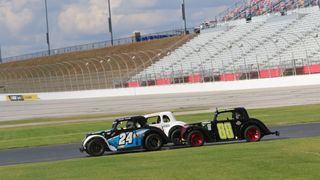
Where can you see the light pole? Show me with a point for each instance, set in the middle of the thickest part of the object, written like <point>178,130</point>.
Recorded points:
<point>184,16</point>
<point>0,55</point>
<point>47,23</point>
<point>110,22</point>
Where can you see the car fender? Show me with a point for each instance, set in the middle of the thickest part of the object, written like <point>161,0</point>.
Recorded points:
<point>98,137</point>
<point>177,126</point>
<point>257,122</point>
<point>204,131</point>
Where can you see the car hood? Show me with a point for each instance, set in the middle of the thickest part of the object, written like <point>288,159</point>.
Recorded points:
<point>99,132</point>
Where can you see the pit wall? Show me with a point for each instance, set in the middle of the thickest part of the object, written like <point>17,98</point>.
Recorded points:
<point>302,80</point>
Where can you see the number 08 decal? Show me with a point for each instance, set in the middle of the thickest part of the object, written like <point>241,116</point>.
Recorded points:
<point>126,138</point>
<point>225,130</point>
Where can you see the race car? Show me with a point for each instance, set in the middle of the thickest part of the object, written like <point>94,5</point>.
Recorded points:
<point>126,134</point>
<point>167,122</point>
<point>227,125</point>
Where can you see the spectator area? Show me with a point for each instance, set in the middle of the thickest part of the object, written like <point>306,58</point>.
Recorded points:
<point>269,46</point>
<point>281,42</point>
<point>94,69</point>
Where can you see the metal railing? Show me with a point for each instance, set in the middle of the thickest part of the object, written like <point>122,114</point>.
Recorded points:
<point>97,45</point>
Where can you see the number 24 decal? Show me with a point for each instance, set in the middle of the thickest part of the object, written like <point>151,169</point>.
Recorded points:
<point>126,138</point>
<point>225,131</point>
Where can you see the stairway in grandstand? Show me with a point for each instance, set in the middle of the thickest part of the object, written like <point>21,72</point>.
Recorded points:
<point>267,42</point>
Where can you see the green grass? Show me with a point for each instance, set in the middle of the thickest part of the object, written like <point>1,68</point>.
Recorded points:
<point>278,159</point>
<point>74,132</point>
<point>80,117</point>
<point>57,119</point>
<point>273,116</point>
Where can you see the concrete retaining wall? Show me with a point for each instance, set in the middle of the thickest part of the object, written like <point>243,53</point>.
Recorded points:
<point>302,80</point>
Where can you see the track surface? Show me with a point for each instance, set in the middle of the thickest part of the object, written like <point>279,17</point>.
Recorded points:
<point>70,151</point>
<point>258,98</point>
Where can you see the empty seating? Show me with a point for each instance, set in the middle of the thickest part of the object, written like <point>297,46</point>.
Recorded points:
<point>268,44</point>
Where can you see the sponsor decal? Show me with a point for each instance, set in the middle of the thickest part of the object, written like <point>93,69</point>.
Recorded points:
<point>29,97</point>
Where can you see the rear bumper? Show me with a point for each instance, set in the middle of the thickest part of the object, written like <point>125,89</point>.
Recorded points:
<point>277,133</point>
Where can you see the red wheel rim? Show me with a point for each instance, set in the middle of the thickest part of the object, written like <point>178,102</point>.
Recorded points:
<point>253,134</point>
<point>196,139</point>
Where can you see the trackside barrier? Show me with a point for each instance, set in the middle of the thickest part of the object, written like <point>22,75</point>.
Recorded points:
<point>134,84</point>
<point>277,82</point>
<point>270,73</point>
<point>164,81</point>
<point>228,77</point>
<point>313,69</point>
<point>195,78</point>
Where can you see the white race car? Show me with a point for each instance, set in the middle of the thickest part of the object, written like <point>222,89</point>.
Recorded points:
<point>167,122</point>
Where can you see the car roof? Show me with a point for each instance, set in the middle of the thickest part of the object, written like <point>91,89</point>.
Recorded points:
<point>157,114</point>
<point>140,119</point>
<point>230,109</point>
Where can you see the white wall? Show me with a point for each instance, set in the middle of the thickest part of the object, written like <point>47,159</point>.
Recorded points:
<point>302,80</point>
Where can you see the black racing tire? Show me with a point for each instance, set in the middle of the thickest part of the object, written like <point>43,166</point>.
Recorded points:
<point>176,137</point>
<point>153,142</point>
<point>252,133</point>
<point>96,147</point>
<point>195,138</point>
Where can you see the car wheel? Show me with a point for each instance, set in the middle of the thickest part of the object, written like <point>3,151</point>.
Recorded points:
<point>175,137</point>
<point>195,138</point>
<point>153,142</point>
<point>96,147</point>
<point>252,133</point>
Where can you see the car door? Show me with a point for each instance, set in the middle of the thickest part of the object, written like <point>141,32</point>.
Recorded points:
<point>125,138</point>
<point>166,124</point>
<point>224,127</point>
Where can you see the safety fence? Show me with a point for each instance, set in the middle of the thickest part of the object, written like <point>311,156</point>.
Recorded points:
<point>98,45</point>
<point>110,72</point>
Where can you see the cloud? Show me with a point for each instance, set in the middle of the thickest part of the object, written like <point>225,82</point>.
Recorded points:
<point>72,22</point>
<point>83,18</point>
<point>90,17</point>
<point>16,14</point>
<point>135,4</point>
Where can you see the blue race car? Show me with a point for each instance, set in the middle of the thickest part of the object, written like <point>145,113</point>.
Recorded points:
<point>126,134</point>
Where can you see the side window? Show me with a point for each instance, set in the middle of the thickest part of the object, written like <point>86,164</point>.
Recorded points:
<point>225,116</point>
<point>237,116</point>
<point>154,120</point>
<point>166,119</point>
<point>121,125</point>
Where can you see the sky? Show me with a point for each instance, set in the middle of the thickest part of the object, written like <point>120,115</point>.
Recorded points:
<point>75,22</point>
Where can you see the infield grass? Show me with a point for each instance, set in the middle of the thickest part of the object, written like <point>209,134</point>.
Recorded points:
<point>74,132</point>
<point>277,159</point>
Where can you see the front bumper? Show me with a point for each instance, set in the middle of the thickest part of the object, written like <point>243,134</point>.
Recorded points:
<point>81,149</point>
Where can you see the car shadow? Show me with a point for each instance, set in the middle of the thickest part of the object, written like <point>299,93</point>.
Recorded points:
<point>170,146</point>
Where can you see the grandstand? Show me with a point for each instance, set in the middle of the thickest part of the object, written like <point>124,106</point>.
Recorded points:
<point>281,42</point>
<point>93,69</point>
<point>269,46</point>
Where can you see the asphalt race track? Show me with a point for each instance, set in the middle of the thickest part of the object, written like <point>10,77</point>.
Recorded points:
<point>257,98</point>
<point>70,151</point>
